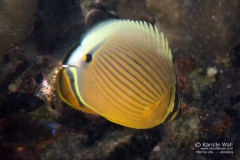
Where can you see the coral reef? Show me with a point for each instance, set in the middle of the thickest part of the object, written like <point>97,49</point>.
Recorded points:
<point>204,38</point>
<point>95,11</point>
<point>16,20</point>
<point>198,28</point>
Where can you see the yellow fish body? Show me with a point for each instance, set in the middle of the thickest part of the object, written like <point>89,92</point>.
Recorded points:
<point>122,71</point>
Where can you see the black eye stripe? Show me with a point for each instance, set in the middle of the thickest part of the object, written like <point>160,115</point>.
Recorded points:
<point>88,58</point>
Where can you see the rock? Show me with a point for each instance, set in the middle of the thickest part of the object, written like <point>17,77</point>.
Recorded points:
<point>235,56</point>
<point>199,28</point>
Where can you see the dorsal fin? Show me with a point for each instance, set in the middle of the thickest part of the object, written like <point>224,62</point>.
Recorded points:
<point>64,48</point>
<point>104,30</point>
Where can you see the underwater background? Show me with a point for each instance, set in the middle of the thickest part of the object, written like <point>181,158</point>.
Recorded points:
<point>204,37</point>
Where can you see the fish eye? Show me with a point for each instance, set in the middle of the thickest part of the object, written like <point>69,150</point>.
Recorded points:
<point>87,58</point>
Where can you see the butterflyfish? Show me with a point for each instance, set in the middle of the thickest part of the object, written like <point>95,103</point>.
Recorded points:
<point>123,71</point>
